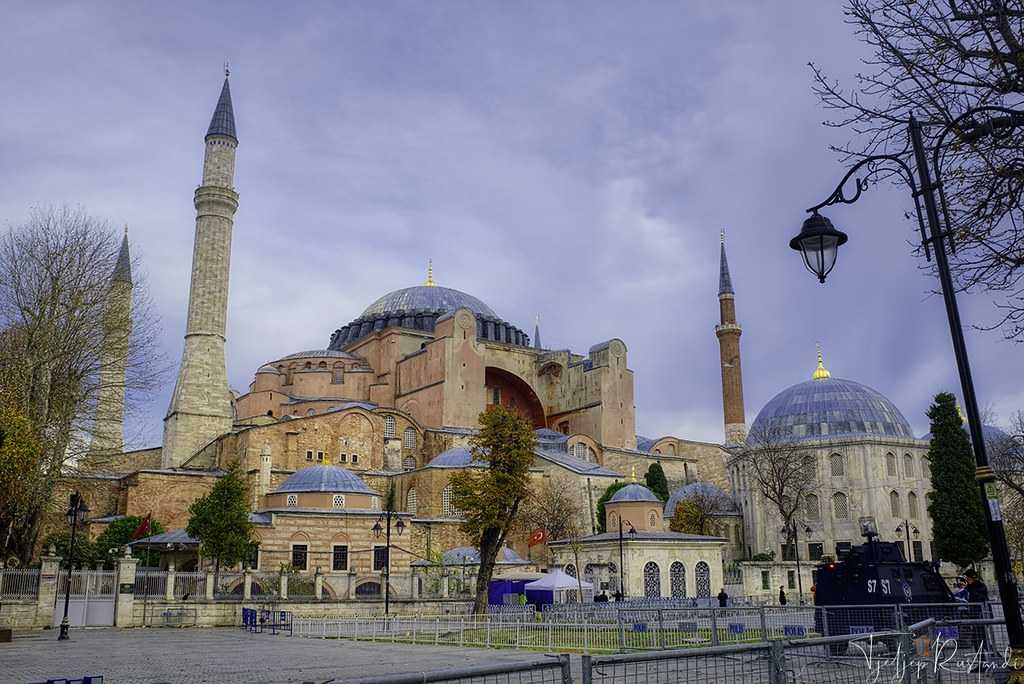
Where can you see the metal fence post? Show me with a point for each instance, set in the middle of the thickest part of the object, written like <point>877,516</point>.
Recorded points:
<point>564,663</point>
<point>906,647</point>
<point>588,672</point>
<point>622,631</point>
<point>437,630</point>
<point>764,623</point>
<point>488,634</point>
<point>714,628</point>
<point>776,663</point>
<point>586,636</point>
<point>661,629</point>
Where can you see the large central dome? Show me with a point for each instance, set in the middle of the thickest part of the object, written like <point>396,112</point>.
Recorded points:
<point>826,408</point>
<point>427,298</point>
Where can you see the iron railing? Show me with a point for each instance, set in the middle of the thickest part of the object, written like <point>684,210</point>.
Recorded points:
<point>553,670</point>
<point>21,584</point>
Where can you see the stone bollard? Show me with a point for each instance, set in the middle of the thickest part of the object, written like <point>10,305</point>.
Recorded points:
<point>414,588</point>
<point>169,587</point>
<point>124,607</point>
<point>247,585</point>
<point>210,585</point>
<point>284,586</point>
<point>318,585</point>
<point>444,585</point>
<point>49,576</point>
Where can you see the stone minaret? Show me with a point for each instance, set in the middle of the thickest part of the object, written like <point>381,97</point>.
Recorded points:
<point>729,332</point>
<point>201,405</point>
<point>108,430</point>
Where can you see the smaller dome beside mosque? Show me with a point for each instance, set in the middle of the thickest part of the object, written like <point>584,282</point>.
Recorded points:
<point>704,489</point>
<point>325,478</point>
<point>825,407</point>
<point>634,492</point>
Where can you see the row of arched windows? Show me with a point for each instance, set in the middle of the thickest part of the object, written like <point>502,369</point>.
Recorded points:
<point>837,466</point>
<point>896,508</point>
<point>677,579</point>
<point>841,506</point>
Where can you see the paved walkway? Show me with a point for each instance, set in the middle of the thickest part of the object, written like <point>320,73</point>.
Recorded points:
<point>137,656</point>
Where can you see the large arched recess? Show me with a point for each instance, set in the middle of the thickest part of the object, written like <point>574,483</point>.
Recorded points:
<point>515,394</point>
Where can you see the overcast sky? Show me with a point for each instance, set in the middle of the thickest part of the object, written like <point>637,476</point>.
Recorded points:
<point>573,160</point>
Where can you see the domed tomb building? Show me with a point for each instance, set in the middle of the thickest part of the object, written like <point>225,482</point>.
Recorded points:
<point>868,463</point>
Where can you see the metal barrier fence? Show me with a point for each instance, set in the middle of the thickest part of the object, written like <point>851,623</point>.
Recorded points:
<point>87,583</point>
<point>190,586</point>
<point>554,670</point>
<point>229,585</point>
<point>19,584</point>
<point>150,582</point>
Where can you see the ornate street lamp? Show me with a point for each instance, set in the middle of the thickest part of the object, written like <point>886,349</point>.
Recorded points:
<point>906,527</point>
<point>76,512</point>
<point>377,528</point>
<point>818,243</point>
<point>792,527</point>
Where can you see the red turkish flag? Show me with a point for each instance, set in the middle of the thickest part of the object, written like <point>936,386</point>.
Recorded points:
<point>539,536</point>
<point>143,529</point>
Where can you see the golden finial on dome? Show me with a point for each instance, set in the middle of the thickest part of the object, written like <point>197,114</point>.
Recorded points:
<point>430,273</point>
<point>821,373</point>
<point>632,474</point>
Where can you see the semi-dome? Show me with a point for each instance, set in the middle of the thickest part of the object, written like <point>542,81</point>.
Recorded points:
<point>704,489</point>
<point>825,408</point>
<point>634,492</point>
<point>325,478</point>
<point>427,298</point>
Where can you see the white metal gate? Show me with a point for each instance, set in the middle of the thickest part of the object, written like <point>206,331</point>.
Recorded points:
<point>92,598</point>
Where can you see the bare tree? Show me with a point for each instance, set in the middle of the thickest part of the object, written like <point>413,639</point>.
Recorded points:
<point>699,511</point>
<point>936,59</point>
<point>781,470</point>
<point>58,346</point>
<point>551,506</point>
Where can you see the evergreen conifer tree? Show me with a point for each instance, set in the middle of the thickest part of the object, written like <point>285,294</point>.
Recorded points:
<point>656,481</point>
<point>220,521</point>
<point>954,504</point>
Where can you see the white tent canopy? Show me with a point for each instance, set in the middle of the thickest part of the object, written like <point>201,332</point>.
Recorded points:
<point>557,581</point>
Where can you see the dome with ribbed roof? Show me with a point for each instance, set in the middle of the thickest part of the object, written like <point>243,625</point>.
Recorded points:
<point>634,492</point>
<point>325,478</point>
<point>427,298</point>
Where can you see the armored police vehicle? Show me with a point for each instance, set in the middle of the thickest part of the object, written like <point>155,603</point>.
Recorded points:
<point>860,593</point>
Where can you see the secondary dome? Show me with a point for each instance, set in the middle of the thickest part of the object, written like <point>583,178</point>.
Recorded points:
<point>711,492</point>
<point>427,298</point>
<point>325,478</point>
<point>633,492</point>
<point>828,407</point>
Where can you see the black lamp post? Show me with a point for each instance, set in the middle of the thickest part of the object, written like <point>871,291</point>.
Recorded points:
<point>386,518</point>
<point>76,510</point>
<point>622,563</point>
<point>819,241</point>
<point>905,527</point>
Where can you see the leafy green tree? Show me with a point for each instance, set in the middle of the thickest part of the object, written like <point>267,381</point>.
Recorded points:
<point>85,551</point>
<point>220,521</point>
<point>656,481</point>
<point>119,533</point>
<point>20,451</point>
<point>608,493</point>
<point>954,504</point>
<point>490,498</point>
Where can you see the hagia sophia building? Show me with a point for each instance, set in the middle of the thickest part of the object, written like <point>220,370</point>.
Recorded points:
<point>390,403</point>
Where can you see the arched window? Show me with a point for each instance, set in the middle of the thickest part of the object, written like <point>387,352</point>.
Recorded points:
<point>293,500</point>
<point>409,438</point>
<point>389,427</point>
<point>894,504</point>
<point>410,501</point>
<point>322,364</point>
<point>912,505</point>
<point>338,501</point>
<point>677,577</point>
<point>671,449</point>
<point>908,465</point>
<point>652,580</point>
<point>570,570</point>
<point>613,521</point>
<point>579,450</point>
<point>311,412</point>
<point>702,577</point>
<point>840,506</point>
<point>408,463</point>
<point>926,469</point>
<point>812,507</point>
<point>338,374</point>
<point>837,464</point>
<point>448,508</point>
<point>890,465</point>
<point>652,520</point>
<point>591,455</point>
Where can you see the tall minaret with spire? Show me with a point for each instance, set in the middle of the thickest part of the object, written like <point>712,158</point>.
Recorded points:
<point>201,407</point>
<point>728,332</point>
<point>108,428</point>
<point>536,333</point>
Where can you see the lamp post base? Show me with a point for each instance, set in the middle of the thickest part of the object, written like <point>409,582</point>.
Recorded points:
<point>63,636</point>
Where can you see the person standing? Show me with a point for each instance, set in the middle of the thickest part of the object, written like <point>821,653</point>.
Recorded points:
<point>782,596</point>
<point>723,598</point>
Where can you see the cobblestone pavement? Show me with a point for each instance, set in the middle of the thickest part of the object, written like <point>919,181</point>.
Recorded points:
<point>136,656</point>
